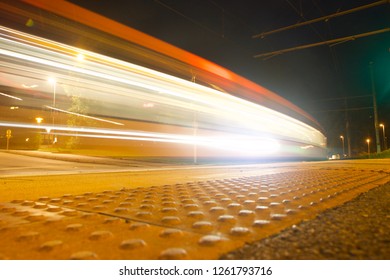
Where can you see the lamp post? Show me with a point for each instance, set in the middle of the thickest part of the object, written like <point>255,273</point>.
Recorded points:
<point>378,145</point>
<point>342,140</point>
<point>368,147</point>
<point>384,136</point>
<point>39,121</point>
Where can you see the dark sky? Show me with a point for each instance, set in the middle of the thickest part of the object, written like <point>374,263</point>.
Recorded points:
<point>315,79</point>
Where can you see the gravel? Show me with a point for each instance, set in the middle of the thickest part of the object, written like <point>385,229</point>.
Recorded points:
<point>356,230</point>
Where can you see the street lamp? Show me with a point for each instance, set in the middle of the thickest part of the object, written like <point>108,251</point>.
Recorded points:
<point>368,147</point>
<point>378,145</point>
<point>384,136</point>
<point>342,140</point>
<point>39,120</point>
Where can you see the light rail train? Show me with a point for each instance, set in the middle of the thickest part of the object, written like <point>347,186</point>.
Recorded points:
<point>74,83</point>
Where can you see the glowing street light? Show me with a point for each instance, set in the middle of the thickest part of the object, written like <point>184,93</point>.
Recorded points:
<point>384,136</point>
<point>342,140</point>
<point>368,146</point>
<point>39,120</point>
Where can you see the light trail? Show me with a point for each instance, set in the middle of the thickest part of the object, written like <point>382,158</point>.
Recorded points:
<point>245,144</point>
<point>119,90</point>
<point>10,96</point>
<point>82,115</point>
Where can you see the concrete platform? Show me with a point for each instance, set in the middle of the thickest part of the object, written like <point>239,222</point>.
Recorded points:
<point>190,219</point>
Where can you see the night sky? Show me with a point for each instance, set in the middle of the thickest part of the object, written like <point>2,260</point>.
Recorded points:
<point>322,80</point>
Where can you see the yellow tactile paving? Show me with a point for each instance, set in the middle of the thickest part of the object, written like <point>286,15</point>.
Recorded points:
<point>197,220</point>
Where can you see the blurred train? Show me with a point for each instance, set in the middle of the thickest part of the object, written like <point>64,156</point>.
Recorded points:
<point>77,80</point>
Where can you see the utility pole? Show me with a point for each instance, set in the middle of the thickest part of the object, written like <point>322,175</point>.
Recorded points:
<point>378,143</point>
<point>347,128</point>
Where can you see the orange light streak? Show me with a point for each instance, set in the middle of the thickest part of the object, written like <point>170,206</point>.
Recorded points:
<point>91,19</point>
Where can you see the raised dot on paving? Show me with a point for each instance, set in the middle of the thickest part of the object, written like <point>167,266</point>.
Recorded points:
<point>99,207</point>
<point>132,244</point>
<point>144,215</point>
<point>168,203</point>
<point>290,211</point>
<point>82,205</point>
<point>147,202</point>
<point>211,240</point>
<point>169,210</point>
<point>28,236</point>
<point>139,226</point>
<point>84,255</point>
<point>171,233</point>
<point>40,206</point>
<point>68,202</point>
<point>210,203</point>
<point>191,206</point>
<point>50,245</point>
<point>226,200</point>
<point>276,216</point>
<point>174,254</point>
<point>261,208</point>
<point>125,204</point>
<point>121,210</point>
<point>234,206</point>
<point>146,206</point>
<point>196,214</point>
<point>204,226</point>
<point>100,235</point>
<point>113,221</point>
<point>73,227</point>
<point>246,213</point>
<point>239,231</point>
<point>28,203</point>
<point>171,220</point>
<point>217,210</point>
<point>230,219</point>
<point>260,223</point>
<point>54,209</point>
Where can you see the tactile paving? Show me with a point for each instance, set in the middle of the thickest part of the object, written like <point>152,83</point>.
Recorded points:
<point>196,220</point>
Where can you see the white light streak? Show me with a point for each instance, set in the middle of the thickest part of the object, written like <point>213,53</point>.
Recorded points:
<point>247,145</point>
<point>130,92</point>
<point>10,96</point>
<point>32,86</point>
<point>84,116</point>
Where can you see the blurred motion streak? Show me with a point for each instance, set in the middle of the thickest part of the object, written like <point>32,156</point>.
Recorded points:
<point>95,94</point>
